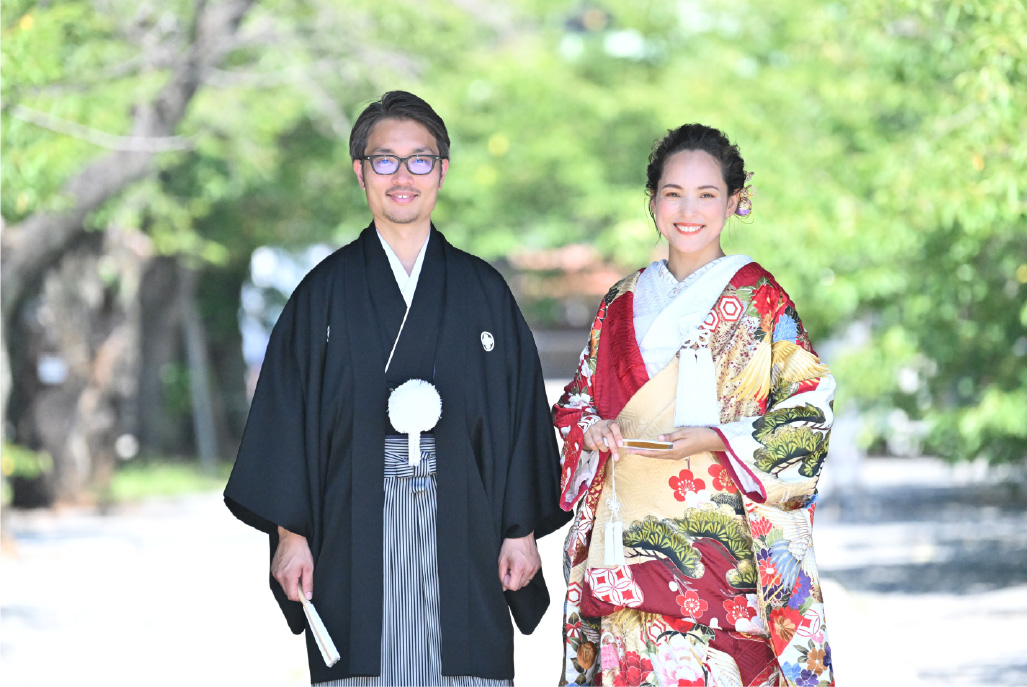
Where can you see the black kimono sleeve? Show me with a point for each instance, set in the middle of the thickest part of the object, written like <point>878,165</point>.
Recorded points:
<point>531,502</point>
<point>274,481</point>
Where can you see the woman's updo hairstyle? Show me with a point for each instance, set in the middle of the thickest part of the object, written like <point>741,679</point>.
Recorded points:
<point>697,137</point>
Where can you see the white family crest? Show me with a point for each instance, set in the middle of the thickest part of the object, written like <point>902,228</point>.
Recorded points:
<point>488,342</point>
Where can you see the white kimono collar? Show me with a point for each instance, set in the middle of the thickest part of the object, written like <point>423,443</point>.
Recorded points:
<point>407,282</point>
<point>678,331</point>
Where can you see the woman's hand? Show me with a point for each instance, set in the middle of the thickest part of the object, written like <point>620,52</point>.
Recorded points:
<point>604,436</point>
<point>687,441</point>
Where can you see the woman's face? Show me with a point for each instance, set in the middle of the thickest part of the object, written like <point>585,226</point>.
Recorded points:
<point>691,204</point>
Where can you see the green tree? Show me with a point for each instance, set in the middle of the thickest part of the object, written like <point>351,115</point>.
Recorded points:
<point>933,122</point>
<point>885,137</point>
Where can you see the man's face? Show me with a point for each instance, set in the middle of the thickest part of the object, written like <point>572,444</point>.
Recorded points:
<point>401,198</point>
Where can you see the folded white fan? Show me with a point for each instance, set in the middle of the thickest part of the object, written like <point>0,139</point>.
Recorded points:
<point>321,637</point>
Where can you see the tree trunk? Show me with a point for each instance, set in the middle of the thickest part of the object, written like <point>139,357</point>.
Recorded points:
<point>78,366</point>
<point>199,371</point>
<point>163,402</point>
<point>219,295</point>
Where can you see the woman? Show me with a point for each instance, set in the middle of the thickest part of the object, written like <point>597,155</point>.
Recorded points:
<point>693,565</point>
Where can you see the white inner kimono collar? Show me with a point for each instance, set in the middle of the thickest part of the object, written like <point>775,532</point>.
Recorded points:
<point>676,326</point>
<point>407,282</point>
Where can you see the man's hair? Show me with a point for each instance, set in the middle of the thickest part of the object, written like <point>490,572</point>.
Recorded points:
<point>397,105</point>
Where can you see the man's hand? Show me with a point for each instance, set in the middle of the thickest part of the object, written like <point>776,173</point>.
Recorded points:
<point>293,564</point>
<point>518,562</point>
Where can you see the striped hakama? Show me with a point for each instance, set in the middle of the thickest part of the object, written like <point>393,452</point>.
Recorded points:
<point>410,624</point>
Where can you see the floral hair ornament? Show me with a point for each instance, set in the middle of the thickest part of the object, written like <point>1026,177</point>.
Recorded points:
<point>744,208</point>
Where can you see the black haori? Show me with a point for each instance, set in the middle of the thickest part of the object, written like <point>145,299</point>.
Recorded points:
<point>311,455</point>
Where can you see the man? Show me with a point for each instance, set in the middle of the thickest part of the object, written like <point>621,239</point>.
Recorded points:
<point>405,577</point>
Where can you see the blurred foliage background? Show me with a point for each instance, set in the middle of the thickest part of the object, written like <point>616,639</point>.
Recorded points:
<point>149,148</point>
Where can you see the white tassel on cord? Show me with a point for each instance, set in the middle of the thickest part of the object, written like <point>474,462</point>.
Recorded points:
<point>696,404</point>
<point>317,628</point>
<point>613,533</point>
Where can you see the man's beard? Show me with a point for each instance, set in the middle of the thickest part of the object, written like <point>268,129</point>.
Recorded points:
<point>401,219</point>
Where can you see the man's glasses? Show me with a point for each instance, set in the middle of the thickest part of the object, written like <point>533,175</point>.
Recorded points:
<point>388,164</point>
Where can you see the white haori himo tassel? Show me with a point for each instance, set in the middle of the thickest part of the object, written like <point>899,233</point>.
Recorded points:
<point>696,403</point>
<point>613,533</point>
<point>317,628</point>
<point>414,407</point>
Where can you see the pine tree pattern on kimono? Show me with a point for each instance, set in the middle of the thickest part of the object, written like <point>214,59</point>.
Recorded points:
<point>753,506</point>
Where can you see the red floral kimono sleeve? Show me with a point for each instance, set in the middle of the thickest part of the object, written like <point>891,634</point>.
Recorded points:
<point>573,414</point>
<point>776,457</point>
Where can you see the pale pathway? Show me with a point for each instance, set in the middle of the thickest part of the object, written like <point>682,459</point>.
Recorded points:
<point>926,585</point>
